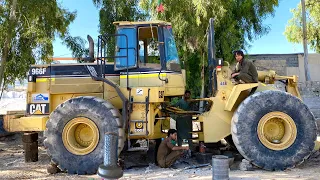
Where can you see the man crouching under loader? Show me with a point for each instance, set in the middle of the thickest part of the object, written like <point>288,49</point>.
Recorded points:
<point>245,71</point>
<point>168,152</point>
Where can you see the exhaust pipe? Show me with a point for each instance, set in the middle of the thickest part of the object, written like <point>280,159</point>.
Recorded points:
<point>91,50</point>
<point>91,47</point>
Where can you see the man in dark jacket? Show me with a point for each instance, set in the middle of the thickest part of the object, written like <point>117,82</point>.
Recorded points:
<point>184,121</point>
<point>245,71</point>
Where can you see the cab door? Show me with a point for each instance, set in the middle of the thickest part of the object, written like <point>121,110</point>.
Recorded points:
<point>126,48</point>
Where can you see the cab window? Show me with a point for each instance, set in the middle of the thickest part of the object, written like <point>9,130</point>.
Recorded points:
<point>148,45</point>
<point>121,48</point>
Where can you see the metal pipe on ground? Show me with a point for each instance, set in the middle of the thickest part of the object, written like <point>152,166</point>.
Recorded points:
<point>110,169</point>
<point>220,167</point>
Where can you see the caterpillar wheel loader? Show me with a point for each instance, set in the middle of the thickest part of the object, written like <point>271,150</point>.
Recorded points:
<point>130,92</point>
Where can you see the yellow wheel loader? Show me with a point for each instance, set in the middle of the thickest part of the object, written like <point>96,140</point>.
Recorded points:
<point>129,93</point>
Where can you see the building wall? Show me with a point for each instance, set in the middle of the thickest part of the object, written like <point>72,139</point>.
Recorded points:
<point>310,92</point>
<point>288,64</point>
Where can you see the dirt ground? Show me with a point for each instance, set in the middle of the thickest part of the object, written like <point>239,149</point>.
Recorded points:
<point>12,166</point>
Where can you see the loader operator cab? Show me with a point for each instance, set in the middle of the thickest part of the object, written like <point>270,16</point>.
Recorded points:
<point>143,45</point>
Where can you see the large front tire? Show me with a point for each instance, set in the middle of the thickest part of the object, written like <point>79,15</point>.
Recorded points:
<point>274,130</point>
<point>75,133</point>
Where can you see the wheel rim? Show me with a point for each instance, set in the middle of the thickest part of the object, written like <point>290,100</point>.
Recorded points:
<point>277,131</point>
<point>80,136</point>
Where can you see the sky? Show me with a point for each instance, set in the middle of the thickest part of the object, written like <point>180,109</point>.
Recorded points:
<point>87,22</point>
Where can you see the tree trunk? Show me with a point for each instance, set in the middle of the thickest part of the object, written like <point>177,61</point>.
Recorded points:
<point>305,43</point>
<point>7,42</point>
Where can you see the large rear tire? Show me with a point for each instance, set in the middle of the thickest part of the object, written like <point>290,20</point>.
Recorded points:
<point>274,130</point>
<point>74,135</point>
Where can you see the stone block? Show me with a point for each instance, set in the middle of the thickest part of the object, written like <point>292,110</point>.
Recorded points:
<point>308,84</point>
<point>245,165</point>
<point>315,84</point>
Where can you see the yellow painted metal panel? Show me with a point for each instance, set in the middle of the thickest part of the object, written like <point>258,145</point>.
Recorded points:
<point>176,85</point>
<point>200,136</point>
<point>44,79</point>
<point>31,87</point>
<point>142,80</point>
<point>171,91</point>
<point>233,97</point>
<point>22,124</point>
<point>131,76</point>
<point>76,88</point>
<point>140,94</point>
<point>317,144</point>
<point>57,99</point>
<point>216,122</point>
<point>139,113</point>
<point>139,129</point>
<point>111,95</point>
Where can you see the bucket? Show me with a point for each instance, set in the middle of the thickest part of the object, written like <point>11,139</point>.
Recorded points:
<point>220,167</point>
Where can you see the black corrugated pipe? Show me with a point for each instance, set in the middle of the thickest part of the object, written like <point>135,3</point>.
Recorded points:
<point>110,169</point>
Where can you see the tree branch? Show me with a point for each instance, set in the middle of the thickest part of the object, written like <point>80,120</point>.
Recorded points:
<point>8,40</point>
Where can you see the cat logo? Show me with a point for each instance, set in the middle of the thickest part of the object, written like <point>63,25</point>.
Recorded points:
<point>38,109</point>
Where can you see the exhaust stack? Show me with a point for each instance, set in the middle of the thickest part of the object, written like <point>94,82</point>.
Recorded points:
<point>91,47</point>
<point>91,50</point>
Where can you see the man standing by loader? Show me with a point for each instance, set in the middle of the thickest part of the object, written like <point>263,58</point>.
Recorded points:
<point>245,71</point>
<point>184,121</point>
<point>168,152</point>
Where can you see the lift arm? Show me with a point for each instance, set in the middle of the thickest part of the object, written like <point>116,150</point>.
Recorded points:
<point>291,82</point>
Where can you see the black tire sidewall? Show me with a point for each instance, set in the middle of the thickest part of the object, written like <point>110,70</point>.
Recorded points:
<point>248,116</point>
<point>79,107</point>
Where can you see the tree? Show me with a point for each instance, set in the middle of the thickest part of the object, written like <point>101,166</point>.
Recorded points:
<point>293,31</point>
<point>27,30</point>
<point>77,45</point>
<point>237,23</point>
<point>116,10</point>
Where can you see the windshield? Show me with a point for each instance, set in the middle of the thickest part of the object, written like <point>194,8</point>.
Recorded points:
<point>172,58</point>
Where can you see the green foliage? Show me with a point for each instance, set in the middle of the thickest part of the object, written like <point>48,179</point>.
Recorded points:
<point>116,10</point>
<point>77,47</point>
<point>293,31</point>
<point>237,23</point>
<point>33,30</point>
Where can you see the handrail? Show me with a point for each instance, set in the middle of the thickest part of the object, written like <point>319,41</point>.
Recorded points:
<point>104,40</point>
